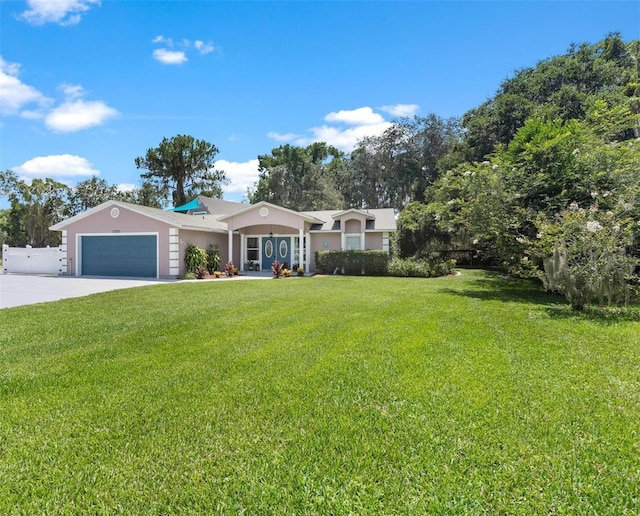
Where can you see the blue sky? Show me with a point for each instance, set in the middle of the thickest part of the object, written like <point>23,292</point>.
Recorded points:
<point>87,86</point>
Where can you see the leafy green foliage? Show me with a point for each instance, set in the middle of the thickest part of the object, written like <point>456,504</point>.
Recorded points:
<point>585,257</point>
<point>299,178</point>
<point>353,262</point>
<point>195,257</point>
<point>419,231</point>
<point>564,87</point>
<point>34,207</point>
<point>414,268</point>
<point>213,258</point>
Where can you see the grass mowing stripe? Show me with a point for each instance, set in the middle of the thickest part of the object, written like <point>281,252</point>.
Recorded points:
<point>336,395</point>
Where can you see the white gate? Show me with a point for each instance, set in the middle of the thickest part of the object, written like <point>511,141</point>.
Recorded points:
<point>32,260</point>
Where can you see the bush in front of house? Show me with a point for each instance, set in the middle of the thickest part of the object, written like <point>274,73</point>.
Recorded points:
<point>354,262</point>
<point>410,267</point>
<point>378,263</point>
<point>194,257</point>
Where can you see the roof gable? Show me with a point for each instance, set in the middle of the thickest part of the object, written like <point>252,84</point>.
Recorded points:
<point>178,220</point>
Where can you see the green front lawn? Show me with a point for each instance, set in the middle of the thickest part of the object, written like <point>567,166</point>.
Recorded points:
<point>331,395</point>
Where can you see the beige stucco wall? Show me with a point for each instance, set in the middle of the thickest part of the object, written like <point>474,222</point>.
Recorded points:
<point>203,239</point>
<point>265,229</point>
<point>317,244</point>
<point>275,217</point>
<point>102,223</point>
<point>373,241</point>
<point>353,225</point>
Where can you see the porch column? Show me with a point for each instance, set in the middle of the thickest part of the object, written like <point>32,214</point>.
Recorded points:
<point>242,252</point>
<point>301,250</point>
<point>230,252</point>
<point>307,262</point>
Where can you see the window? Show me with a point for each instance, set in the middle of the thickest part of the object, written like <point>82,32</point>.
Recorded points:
<point>283,249</point>
<point>299,255</point>
<point>352,242</point>
<point>268,249</point>
<point>253,251</point>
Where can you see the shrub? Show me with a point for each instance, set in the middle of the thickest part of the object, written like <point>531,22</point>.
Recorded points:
<point>276,269</point>
<point>190,275</point>
<point>300,271</point>
<point>410,267</point>
<point>229,268</point>
<point>202,272</point>
<point>217,274</point>
<point>354,262</point>
<point>194,257</point>
<point>213,258</point>
<point>286,272</point>
<point>584,255</point>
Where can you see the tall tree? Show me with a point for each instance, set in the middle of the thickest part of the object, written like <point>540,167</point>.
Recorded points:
<point>90,193</point>
<point>182,167</point>
<point>393,169</point>
<point>299,178</point>
<point>34,207</point>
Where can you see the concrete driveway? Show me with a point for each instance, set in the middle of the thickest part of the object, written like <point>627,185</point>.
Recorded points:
<point>23,289</point>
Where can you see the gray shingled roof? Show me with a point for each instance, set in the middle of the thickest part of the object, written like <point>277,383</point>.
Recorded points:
<point>385,220</point>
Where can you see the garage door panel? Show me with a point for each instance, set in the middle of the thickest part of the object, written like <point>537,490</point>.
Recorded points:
<point>119,255</point>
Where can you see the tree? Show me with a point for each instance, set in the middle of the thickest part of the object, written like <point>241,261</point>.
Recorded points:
<point>90,193</point>
<point>300,178</point>
<point>418,230</point>
<point>34,207</point>
<point>182,167</point>
<point>393,169</point>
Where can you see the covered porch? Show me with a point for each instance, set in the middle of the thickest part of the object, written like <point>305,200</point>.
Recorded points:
<point>269,233</point>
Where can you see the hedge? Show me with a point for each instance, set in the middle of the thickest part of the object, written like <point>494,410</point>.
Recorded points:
<point>354,262</point>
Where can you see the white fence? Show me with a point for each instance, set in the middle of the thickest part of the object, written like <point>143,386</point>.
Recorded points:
<point>32,260</point>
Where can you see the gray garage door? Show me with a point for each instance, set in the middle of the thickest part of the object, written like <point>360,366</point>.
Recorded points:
<point>119,255</point>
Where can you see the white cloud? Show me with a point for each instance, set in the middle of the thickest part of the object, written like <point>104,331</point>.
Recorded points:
<point>401,110</point>
<point>62,12</point>
<point>161,39</point>
<point>360,116</point>
<point>14,94</point>
<point>76,115</point>
<point>126,187</point>
<point>72,91</point>
<point>176,53</point>
<point>202,47</point>
<point>241,175</point>
<point>17,98</point>
<point>55,166</point>
<point>169,56</point>
<point>282,137</point>
<point>343,139</point>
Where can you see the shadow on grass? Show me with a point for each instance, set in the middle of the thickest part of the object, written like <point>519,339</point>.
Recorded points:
<point>493,286</point>
<point>600,314</point>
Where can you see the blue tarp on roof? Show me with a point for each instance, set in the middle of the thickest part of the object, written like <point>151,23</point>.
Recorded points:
<point>191,205</point>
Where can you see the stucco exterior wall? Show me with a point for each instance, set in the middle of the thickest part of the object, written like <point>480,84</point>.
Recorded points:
<point>353,225</point>
<point>102,223</point>
<point>275,217</point>
<point>202,239</point>
<point>373,241</point>
<point>265,229</point>
<point>333,243</point>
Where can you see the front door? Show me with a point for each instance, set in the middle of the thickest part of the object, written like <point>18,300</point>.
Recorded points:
<point>276,248</point>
